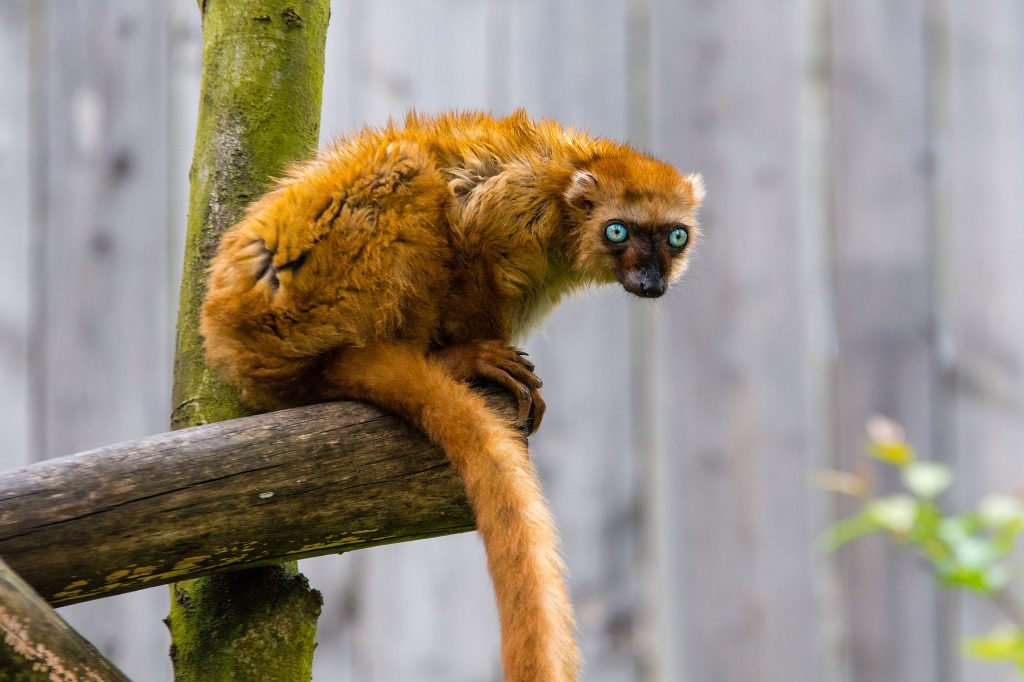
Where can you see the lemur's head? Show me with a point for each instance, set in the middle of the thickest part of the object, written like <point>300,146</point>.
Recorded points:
<point>637,221</point>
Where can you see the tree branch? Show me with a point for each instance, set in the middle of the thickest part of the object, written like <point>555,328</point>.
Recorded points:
<point>39,645</point>
<point>252,491</point>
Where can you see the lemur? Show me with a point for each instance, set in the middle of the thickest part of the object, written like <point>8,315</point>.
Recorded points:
<point>403,262</point>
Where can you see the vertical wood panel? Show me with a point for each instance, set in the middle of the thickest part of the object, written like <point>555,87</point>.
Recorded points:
<point>387,57</point>
<point>107,347</point>
<point>984,258</point>
<point>734,385</point>
<point>339,112</point>
<point>106,334</point>
<point>184,71</point>
<point>881,199</point>
<point>383,68</point>
<point>466,54</point>
<point>423,610</point>
<point>449,69</point>
<point>695,421</point>
<point>568,60</point>
<point>17,276</point>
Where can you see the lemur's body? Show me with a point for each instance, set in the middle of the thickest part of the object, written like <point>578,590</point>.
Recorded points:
<point>401,262</point>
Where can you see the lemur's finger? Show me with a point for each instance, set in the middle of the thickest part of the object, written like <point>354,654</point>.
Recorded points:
<point>521,372</point>
<point>520,390</point>
<point>537,409</point>
<point>509,353</point>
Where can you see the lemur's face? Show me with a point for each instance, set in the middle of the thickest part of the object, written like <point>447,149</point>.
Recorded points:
<point>638,222</point>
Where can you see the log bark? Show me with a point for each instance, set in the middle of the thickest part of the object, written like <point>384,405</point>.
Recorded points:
<point>263,65</point>
<point>38,646</point>
<point>247,492</point>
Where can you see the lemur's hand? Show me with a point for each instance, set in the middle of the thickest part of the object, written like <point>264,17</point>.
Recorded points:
<point>504,365</point>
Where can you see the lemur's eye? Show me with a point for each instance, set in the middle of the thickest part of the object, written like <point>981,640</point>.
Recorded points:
<point>677,237</point>
<point>616,232</point>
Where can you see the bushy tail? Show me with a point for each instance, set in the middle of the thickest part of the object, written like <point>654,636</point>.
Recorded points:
<point>513,519</point>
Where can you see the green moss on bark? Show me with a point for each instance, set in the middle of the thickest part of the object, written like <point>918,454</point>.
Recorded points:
<point>248,625</point>
<point>259,111</point>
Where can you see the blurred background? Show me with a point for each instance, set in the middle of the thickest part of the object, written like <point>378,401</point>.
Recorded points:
<point>864,253</point>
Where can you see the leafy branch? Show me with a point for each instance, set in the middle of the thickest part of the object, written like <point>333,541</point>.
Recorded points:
<point>972,551</point>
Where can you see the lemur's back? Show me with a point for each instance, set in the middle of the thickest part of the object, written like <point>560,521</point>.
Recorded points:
<point>346,251</point>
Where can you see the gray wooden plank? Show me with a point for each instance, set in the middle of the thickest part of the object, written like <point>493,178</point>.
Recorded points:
<point>467,54</point>
<point>17,275</point>
<point>434,59</point>
<point>887,353</point>
<point>340,110</point>
<point>450,69</point>
<point>105,331</point>
<point>427,55</point>
<point>568,61</point>
<point>184,70</point>
<point>432,598</point>
<point>735,385</point>
<point>384,74</point>
<point>413,611</point>
<point>981,215</point>
<point>107,353</point>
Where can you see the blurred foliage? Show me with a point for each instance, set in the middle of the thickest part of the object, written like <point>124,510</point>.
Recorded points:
<point>971,551</point>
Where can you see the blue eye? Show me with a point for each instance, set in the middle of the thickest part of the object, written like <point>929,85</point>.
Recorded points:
<point>616,232</point>
<point>677,238</point>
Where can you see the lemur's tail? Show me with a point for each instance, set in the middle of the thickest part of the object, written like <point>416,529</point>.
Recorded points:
<point>513,519</point>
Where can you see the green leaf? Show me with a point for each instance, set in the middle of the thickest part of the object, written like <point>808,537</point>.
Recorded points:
<point>998,577</point>
<point>962,577</point>
<point>1004,643</point>
<point>975,552</point>
<point>1001,510</point>
<point>974,565</point>
<point>926,479</point>
<point>848,530</point>
<point>895,513</point>
<point>895,453</point>
<point>955,528</point>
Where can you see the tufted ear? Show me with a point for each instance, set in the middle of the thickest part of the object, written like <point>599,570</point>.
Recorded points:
<point>696,181</point>
<point>580,193</point>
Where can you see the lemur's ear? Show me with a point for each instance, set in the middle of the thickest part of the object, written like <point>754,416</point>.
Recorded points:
<point>580,193</point>
<point>696,181</point>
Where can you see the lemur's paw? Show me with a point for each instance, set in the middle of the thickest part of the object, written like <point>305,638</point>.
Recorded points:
<point>504,365</point>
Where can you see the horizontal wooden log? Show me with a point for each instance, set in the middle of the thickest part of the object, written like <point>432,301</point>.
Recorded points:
<point>37,643</point>
<point>246,492</point>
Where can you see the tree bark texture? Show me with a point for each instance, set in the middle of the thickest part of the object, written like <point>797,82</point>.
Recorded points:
<point>240,493</point>
<point>38,646</point>
<point>259,111</point>
<point>263,65</point>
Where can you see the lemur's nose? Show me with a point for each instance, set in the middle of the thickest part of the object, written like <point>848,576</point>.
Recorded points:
<point>652,285</point>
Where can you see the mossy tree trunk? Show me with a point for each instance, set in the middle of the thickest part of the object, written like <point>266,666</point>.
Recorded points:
<point>259,111</point>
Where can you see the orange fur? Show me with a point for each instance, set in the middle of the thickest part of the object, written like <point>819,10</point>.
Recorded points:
<point>401,262</point>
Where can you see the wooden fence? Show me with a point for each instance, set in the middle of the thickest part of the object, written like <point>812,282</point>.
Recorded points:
<point>864,253</point>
